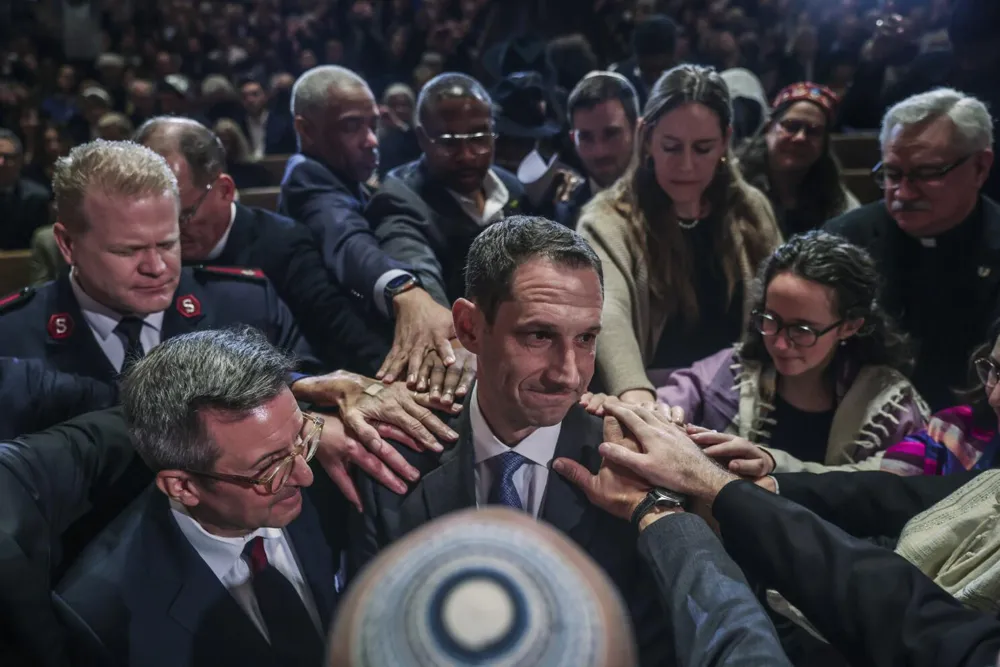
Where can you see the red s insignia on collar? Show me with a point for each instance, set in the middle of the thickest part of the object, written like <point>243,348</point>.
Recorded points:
<point>188,305</point>
<point>60,326</point>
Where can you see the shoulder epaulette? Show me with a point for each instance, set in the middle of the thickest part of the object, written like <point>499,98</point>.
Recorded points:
<point>232,272</point>
<point>20,297</point>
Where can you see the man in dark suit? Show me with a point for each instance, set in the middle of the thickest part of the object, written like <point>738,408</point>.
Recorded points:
<point>935,237</point>
<point>531,316</point>
<point>126,291</point>
<point>428,212</point>
<point>324,187</point>
<point>269,128</point>
<point>873,606</point>
<point>25,204</point>
<point>218,231</point>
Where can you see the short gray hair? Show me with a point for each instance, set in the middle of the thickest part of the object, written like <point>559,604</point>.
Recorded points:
<point>972,120</point>
<point>200,147</point>
<point>165,393</point>
<point>315,88</point>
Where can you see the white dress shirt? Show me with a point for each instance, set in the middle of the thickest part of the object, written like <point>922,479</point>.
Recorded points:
<point>530,479</point>
<point>102,322</point>
<point>257,128</point>
<point>224,556</point>
<point>496,198</point>
<point>221,245</point>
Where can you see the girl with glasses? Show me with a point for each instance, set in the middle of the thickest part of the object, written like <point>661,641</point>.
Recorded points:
<point>817,381</point>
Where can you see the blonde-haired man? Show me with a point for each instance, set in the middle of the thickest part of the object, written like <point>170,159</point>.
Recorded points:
<point>118,230</point>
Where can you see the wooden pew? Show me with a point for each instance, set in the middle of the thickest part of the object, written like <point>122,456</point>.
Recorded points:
<point>856,151</point>
<point>862,185</point>
<point>15,270</point>
<point>261,197</point>
<point>275,165</point>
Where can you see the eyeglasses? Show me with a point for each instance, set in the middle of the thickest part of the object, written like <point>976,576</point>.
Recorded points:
<point>480,142</point>
<point>988,371</point>
<point>890,178</point>
<point>800,335</point>
<point>274,478</point>
<point>187,215</point>
<point>793,127</point>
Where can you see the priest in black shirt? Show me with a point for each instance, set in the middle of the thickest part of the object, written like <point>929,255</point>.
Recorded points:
<point>935,237</point>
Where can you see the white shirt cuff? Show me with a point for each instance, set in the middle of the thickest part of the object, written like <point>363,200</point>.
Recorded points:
<point>379,296</point>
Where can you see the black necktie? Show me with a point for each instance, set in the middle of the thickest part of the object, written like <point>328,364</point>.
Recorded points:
<point>130,329</point>
<point>288,623</point>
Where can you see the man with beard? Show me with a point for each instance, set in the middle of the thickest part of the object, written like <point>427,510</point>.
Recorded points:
<point>935,237</point>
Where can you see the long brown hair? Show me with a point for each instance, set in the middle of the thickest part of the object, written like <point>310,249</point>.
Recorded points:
<point>649,210</point>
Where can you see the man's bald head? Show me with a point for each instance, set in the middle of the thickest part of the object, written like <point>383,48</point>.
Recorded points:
<point>483,586</point>
<point>197,144</point>
<point>449,86</point>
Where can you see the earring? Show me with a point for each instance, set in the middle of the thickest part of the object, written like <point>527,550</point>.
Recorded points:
<point>724,159</point>
<point>843,343</point>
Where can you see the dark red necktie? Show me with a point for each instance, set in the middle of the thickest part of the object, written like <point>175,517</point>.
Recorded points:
<point>289,625</point>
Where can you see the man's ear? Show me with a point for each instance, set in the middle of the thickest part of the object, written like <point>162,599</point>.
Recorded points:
<point>984,162</point>
<point>469,324</point>
<point>64,242</point>
<point>423,140</point>
<point>304,130</point>
<point>227,187</point>
<point>178,485</point>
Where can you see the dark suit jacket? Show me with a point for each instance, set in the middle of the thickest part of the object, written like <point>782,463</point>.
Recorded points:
<point>288,255</point>
<point>35,397</point>
<point>142,595</point>
<point>332,209</point>
<point>279,132</point>
<point>25,209</point>
<point>418,222</point>
<point>48,481</point>
<point>948,324</point>
<point>205,299</point>
<point>872,605</point>
<point>447,484</point>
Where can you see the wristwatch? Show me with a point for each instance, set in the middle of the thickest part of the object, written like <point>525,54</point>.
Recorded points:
<point>658,497</point>
<point>401,283</point>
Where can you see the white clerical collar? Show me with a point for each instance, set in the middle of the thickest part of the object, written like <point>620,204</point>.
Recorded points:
<point>103,320</point>
<point>221,245</point>
<point>539,447</point>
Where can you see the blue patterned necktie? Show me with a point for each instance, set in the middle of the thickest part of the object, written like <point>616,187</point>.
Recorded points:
<point>503,491</point>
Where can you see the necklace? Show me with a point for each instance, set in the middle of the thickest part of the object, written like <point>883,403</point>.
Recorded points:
<point>688,223</point>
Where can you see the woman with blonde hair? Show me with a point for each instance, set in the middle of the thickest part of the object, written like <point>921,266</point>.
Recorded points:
<point>680,237</point>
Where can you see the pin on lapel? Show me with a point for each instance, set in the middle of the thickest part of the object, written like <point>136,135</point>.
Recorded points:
<point>984,272</point>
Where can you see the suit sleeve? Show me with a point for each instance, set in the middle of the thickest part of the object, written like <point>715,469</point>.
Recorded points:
<point>872,605</point>
<point>715,616</point>
<point>869,503</point>
<point>37,396</point>
<point>284,333</point>
<point>400,228</point>
<point>349,248</point>
<point>364,542</point>
<point>329,319</point>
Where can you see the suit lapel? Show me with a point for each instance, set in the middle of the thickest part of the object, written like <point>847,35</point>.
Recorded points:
<point>564,506</point>
<point>241,237</point>
<point>188,309</point>
<point>316,558</point>
<point>72,346</point>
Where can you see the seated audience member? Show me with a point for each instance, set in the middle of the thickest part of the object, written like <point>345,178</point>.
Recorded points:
<point>962,437</point>
<point>269,130</point>
<point>218,231</point>
<point>489,581</point>
<point>524,118</point>
<point>233,557</point>
<point>118,209</point>
<point>872,605</point>
<point>680,237</point>
<point>46,261</point>
<point>397,139</point>
<point>115,126</point>
<point>750,106</point>
<point>324,188</point>
<point>531,316</point>
<point>428,212</point>
<point>25,203</point>
<point>934,236</point>
<point>817,382</point>
<point>791,160</point>
<point>603,113</point>
<point>55,143</point>
<point>654,48</point>
<point>245,172</point>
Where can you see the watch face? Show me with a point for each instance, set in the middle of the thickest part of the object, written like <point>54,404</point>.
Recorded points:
<point>398,282</point>
<point>666,498</point>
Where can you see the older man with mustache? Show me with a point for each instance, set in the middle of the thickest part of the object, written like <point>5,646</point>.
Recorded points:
<point>935,237</point>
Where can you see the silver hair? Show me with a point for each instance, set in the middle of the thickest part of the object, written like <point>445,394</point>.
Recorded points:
<point>166,393</point>
<point>973,124</point>
<point>315,88</point>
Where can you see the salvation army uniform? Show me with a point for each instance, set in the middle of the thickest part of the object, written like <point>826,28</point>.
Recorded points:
<point>61,324</point>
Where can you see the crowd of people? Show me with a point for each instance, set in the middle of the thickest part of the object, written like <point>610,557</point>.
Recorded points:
<point>593,265</point>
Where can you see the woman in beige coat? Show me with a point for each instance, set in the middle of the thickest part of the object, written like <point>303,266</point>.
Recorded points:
<point>680,237</point>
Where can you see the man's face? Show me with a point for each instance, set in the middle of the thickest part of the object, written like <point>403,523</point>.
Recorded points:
<point>941,183</point>
<point>129,259</point>
<point>205,210</point>
<point>604,141</point>
<point>537,358</point>
<point>345,137</point>
<point>254,98</point>
<point>457,140</point>
<point>250,447</point>
<point>402,107</point>
<point>10,163</point>
<point>143,98</point>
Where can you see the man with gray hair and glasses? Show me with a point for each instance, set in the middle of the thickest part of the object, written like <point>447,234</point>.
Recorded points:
<point>935,237</point>
<point>234,558</point>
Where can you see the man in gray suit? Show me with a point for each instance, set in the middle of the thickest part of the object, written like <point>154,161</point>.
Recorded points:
<point>532,313</point>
